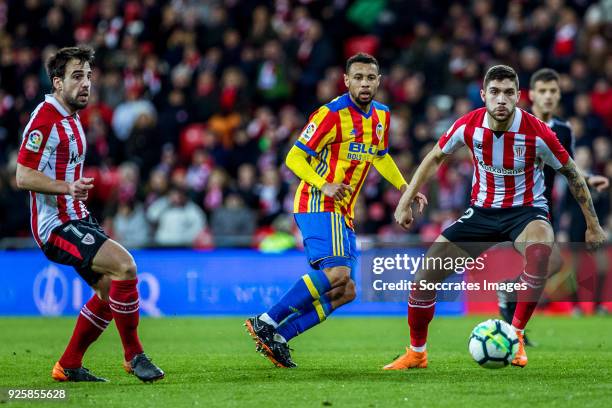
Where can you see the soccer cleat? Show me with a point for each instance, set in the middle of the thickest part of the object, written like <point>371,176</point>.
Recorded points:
<point>80,374</point>
<point>412,359</point>
<point>143,368</point>
<point>520,358</point>
<point>262,333</point>
<point>280,355</point>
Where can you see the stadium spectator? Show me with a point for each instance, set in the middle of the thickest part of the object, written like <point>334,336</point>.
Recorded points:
<point>236,80</point>
<point>130,226</point>
<point>232,219</point>
<point>177,220</point>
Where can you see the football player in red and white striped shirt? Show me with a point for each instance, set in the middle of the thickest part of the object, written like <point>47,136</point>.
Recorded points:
<point>50,166</point>
<point>509,149</point>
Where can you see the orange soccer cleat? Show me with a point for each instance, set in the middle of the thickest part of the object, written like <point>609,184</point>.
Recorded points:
<point>60,373</point>
<point>412,359</point>
<point>520,358</point>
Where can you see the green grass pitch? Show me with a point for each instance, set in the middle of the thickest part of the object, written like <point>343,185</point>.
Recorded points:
<point>212,362</point>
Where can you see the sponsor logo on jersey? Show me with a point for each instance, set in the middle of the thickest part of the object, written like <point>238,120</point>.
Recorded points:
<point>34,141</point>
<point>360,151</point>
<point>355,147</point>
<point>500,171</point>
<point>75,158</point>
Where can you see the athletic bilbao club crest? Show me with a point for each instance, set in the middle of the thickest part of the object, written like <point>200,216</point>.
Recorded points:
<point>88,239</point>
<point>519,151</point>
<point>379,130</point>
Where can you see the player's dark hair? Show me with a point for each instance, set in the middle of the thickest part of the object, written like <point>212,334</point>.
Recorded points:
<point>499,73</point>
<point>56,65</point>
<point>544,75</point>
<point>361,57</point>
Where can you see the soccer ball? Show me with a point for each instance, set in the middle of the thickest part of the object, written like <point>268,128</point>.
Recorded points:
<point>493,343</point>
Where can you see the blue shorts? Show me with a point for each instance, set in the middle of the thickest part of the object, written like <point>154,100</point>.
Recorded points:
<point>328,241</point>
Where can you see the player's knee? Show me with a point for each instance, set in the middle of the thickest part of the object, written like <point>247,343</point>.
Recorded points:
<point>350,292</point>
<point>338,276</point>
<point>126,269</point>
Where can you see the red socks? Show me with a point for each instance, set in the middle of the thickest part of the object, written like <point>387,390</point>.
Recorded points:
<point>420,313</point>
<point>534,277</point>
<point>93,319</point>
<point>123,299</point>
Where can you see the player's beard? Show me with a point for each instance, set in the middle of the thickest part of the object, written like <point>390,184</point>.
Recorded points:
<point>77,103</point>
<point>501,116</point>
<point>364,100</point>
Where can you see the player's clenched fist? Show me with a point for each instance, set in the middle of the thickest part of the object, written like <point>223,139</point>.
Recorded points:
<point>79,189</point>
<point>403,216</point>
<point>403,211</point>
<point>338,191</point>
<point>595,237</point>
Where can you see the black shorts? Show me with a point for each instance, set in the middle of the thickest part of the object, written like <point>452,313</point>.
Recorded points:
<point>489,226</point>
<point>76,243</point>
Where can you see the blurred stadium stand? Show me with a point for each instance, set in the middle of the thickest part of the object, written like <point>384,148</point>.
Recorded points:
<point>195,103</point>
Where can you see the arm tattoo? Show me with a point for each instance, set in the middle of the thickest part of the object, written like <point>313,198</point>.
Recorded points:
<point>579,189</point>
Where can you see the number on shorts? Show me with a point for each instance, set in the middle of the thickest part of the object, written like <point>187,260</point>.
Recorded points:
<point>468,213</point>
<point>74,230</point>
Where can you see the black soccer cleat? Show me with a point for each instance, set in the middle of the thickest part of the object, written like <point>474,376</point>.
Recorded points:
<point>262,332</point>
<point>80,374</point>
<point>143,368</point>
<point>281,355</point>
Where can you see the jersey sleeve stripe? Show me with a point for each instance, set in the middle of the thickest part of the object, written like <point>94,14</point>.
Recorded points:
<point>306,148</point>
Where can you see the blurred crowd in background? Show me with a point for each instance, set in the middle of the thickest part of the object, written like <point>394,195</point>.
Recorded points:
<point>195,104</point>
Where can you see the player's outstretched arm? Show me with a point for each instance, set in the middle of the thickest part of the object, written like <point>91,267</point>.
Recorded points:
<point>297,162</point>
<point>388,170</point>
<point>428,167</point>
<point>33,180</point>
<point>595,235</point>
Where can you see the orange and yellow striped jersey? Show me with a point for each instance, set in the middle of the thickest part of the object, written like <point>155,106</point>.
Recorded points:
<point>342,141</point>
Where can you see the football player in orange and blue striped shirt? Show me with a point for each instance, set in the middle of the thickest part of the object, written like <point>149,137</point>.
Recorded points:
<point>332,156</point>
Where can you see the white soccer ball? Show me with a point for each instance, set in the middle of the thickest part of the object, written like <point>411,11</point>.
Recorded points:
<point>493,343</point>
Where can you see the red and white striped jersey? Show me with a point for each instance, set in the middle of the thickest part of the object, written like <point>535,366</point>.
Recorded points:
<point>53,143</point>
<point>507,165</point>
